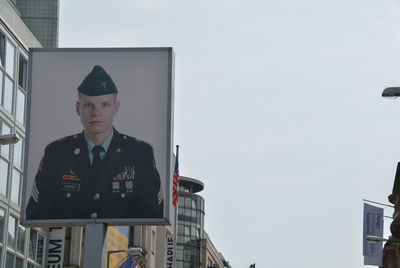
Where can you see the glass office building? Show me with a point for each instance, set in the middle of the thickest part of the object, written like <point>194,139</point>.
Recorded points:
<point>190,224</point>
<point>19,246</point>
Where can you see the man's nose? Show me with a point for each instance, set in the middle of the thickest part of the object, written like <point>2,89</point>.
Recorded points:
<point>95,110</point>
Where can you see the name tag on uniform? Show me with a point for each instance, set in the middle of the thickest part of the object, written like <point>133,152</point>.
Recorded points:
<point>70,187</point>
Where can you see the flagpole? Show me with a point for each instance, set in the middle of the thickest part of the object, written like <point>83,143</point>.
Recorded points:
<point>176,214</point>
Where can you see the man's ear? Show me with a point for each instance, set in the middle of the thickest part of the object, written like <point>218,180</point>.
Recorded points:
<point>77,108</point>
<point>116,107</point>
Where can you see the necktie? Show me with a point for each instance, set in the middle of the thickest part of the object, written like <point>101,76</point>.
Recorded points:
<point>96,155</point>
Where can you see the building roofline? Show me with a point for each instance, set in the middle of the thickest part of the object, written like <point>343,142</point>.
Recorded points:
<point>192,183</point>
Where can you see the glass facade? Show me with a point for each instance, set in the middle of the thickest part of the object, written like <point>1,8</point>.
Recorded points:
<point>41,16</point>
<point>189,228</point>
<point>19,246</point>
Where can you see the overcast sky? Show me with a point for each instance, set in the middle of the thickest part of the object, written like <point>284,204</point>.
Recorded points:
<point>277,110</point>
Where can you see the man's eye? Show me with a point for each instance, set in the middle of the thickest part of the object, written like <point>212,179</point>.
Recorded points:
<point>88,105</point>
<point>106,104</point>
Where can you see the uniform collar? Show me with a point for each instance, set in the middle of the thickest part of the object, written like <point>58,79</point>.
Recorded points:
<point>105,144</point>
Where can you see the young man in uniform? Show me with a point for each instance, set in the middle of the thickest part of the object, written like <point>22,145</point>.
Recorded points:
<point>98,173</point>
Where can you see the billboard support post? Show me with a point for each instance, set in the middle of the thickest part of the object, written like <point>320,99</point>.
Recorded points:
<point>95,235</point>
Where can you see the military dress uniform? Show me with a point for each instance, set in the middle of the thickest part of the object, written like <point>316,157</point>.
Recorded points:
<point>126,184</point>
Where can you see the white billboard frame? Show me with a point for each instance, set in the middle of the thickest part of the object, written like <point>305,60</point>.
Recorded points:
<point>145,73</point>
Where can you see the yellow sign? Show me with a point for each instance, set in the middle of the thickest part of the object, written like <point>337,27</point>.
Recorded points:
<point>116,241</point>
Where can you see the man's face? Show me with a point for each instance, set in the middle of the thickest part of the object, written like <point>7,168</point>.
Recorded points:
<point>97,113</point>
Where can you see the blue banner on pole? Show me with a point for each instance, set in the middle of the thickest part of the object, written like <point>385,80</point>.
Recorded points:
<point>373,226</point>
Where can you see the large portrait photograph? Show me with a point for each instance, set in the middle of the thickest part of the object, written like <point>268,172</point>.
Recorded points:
<point>99,136</point>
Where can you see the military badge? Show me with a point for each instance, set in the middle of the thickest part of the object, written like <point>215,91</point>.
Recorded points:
<point>115,186</point>
<point>77,151</point>
<point>128,174</point>
<point>129,186</point>
<point>71,178</point>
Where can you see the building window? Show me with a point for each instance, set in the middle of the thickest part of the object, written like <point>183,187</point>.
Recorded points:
<point>181,211</point>
<point>2,213</point>
<point>19,262</point>
<point>8,94</point>
<point>187,202</point>
<point>22,71</point>
<point>5,149</point>
<point>21,239</point>
<point>18,153</point>
<point>3,176</point>
<point>11,259</point>
<point>2,49</point>
<point>15,186</point>
<point>187,256</point>
<point>187,230</point>
<point>10,58</point>
<point>36,247</point>
<point>40,249</point>
<point>32,244</point>
<point>179,254</point>
<point>181,201</point>
<point>11,232</point>
<point>193,232</point>
<point>180,229</point>
<point>188,212</point>
<point>179,239</point>
<point>20,107</point>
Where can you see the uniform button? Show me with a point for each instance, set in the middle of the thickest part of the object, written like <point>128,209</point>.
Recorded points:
<point>68,195</point>
<point>96,196</point>
<point>123,195</point>
<point>124,137</point>
<point>118,150</point>
<point>93,215</point>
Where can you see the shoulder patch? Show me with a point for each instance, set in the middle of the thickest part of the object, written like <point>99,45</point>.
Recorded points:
<point>41,165</point>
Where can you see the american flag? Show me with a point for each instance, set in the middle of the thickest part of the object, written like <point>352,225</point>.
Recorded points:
<point>176,179</point>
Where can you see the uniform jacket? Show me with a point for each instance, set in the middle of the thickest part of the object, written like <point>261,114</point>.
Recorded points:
<point>127,185</point>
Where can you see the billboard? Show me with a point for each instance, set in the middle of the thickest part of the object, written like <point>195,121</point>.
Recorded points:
<point>99,136</point>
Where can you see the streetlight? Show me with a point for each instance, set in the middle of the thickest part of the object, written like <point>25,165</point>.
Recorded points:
<point>133,251</point>
<point>391,92</point>
<point>390,254</point>
<point>8,139</point>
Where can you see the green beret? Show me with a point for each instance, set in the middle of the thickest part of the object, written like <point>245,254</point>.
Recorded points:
<point>97,83</point>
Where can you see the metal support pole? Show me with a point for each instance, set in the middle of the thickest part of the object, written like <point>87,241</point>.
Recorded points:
<point>95,236</point>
